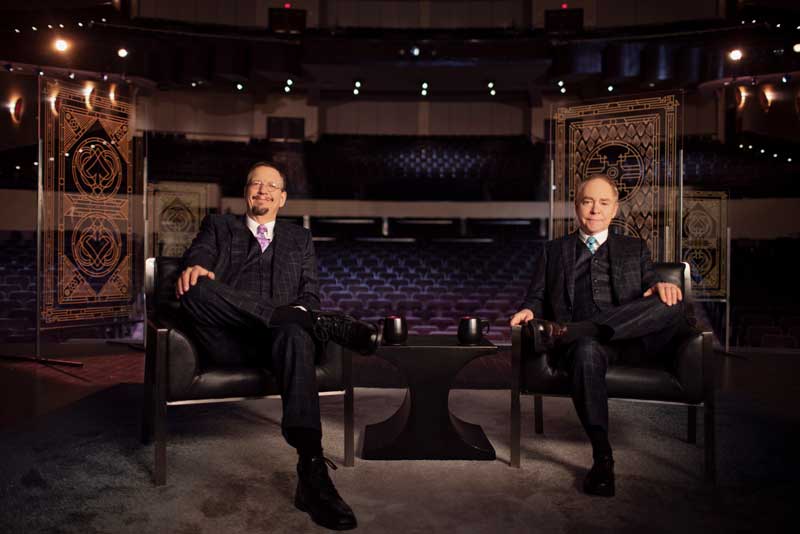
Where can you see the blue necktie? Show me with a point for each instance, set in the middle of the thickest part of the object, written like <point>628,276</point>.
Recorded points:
<point>591,242</point>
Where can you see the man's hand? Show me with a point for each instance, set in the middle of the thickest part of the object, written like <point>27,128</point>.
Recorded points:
<point>189,277</point>
<point>522,316</point>
<point>670,294</point>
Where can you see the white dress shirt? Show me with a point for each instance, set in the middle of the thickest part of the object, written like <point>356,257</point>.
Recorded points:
<point>601,237</point>
<point>253,227</point>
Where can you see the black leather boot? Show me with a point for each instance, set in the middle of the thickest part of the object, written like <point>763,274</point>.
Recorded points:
<point>600,479</point>
<point>317,495</point>
<point>347,331</point>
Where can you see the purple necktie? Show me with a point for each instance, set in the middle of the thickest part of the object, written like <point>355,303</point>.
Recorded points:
<point>261,236</point>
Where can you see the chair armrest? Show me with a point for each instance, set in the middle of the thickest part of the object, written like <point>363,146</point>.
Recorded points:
<point>689,366</point>
<point>182,358</point>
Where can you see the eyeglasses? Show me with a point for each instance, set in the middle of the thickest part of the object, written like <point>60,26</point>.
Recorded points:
<point>269,186</point>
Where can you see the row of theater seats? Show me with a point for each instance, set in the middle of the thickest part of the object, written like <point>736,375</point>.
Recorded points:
<point>767,328</point>
<point>397,167</point>
<point>433,284</point>
<point>17,289</point>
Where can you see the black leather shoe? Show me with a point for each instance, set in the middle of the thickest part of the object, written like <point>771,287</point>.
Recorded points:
<point>317,496</point>
<point>600,478</point>
<point>347,331</point>
<point>545,334</point>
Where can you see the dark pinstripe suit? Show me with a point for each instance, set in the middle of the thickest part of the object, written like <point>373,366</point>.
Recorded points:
<point>232,323</point>
<point>642,327</point>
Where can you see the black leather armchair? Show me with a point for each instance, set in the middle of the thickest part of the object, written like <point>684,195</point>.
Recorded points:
<point>175,374</point>
<point>687,379</point>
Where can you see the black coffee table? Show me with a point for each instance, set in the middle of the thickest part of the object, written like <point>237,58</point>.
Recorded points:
<point>423,427</point>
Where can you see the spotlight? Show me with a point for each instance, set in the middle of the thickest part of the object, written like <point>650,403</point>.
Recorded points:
<point>36,163</point>
<point>789,160</point>
<point>194,84</point>
<point>18,167</point>
<point>775,155</point>
<point>80,24</point>
<point>563,90</point>
<point>9,67</point>
<point>16,30</point>
<point>753,81</point>
<point>415,51</point>
<point>424,85</point>
<point>749,147</point>
<point>289,82</point>
<point>785,78</point>
<point>71,75</point>
<point>424,92</point>
<point>239,86</point>
<point>778,25</point>
<point>796,48</point>
<point>355,91</point>
<point>287,89</point>
<point>561,83</point>
<point>741,146</point>
<point>61,45</point>
<point>762,150</point>
<point>34,28</point>
<point>753,21</point>
<point>122,52</point>
<point>490,85</point>
<point>49,26</point>
<point>105,77</point>
<point>492,92</point>
<point>39,72</point>
<point>357,84</point>
<point>61,26</point>
<point>735,54</point>
<point>610,88</point>
<point>102,20</point>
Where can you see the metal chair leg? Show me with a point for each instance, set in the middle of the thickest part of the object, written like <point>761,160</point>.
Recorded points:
<point>347,376</point>
<point>538,416</point>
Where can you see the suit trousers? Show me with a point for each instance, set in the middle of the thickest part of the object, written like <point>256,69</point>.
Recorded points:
<point>643,330</point>
<point>228,334</point>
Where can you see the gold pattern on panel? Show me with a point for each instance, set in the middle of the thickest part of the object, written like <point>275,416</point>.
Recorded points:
<point>88,233</point>
<point>705,219</point>
<point>179,209</point>
<point>633,142</point>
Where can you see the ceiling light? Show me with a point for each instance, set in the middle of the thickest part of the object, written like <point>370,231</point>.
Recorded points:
<point>741,146</point>
<point>194,84</point>
<point>239,86</point>
<point>490,85</point>
<point>80,24</point>
<point>122,52</point>
<point>789,160</point>
<point>287,89</point>
<point>561,83</point>
<point>71,75</point>
<point>105,77</point>
<point>357,84</point>
<point>49,26</point>
<point>492,92</point>
<point>563,90</point>
<point>775,155</point>
<point>289,82</point>
<point>762,151</point>
<point>16,30</point>
<point>785,78</point>
<point>424,85</point>
<point>61,45</point>
<point>749,147</point>
<point>34,28</point>
<point>424,92</point>
<point>414,51</point>
<point>40,72</point>
<point>796,47</point>
<point>735,54</point>
<point>610,88</point>
<point>355,91</point>
<point>61,26</point>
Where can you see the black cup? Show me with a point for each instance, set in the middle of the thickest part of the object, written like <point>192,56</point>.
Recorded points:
<point>471,330</point>
<point>395,330</point>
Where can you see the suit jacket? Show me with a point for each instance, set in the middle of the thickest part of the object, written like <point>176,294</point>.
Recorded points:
<point>552,289</point>
<point>221,246</point>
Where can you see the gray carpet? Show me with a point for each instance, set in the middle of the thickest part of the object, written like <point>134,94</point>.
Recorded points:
<point>82,470</point>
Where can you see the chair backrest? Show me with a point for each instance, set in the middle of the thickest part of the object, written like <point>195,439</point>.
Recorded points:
<point>678,274</point>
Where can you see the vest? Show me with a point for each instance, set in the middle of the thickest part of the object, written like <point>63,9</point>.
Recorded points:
<point>592,282</point>
<point>256,274</point>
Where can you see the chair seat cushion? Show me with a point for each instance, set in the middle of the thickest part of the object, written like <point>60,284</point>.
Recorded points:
<point>224,382</point>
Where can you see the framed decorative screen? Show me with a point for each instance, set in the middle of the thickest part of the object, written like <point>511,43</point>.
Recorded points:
<point>705,220</point>
<point>635,143</point>
<point>88,208</point>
